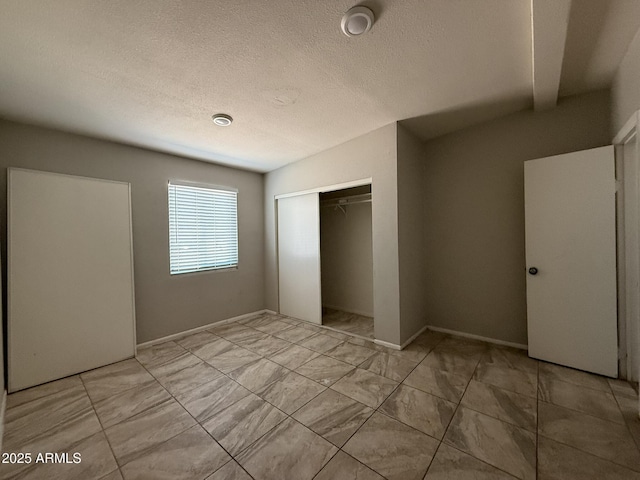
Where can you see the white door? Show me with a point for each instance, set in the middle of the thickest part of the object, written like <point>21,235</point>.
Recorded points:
<point>571,260</point>
<point>299,257</point>
<point>70,276</point>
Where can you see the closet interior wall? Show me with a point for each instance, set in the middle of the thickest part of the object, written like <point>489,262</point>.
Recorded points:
<point>346,251</point>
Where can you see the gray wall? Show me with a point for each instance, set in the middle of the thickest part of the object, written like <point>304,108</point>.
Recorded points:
<point>370,156</point>
<point>165,304</point>
<point>474,212</point>
<point>410,233</point>
<point>626,86</point>
<point>347,258</point>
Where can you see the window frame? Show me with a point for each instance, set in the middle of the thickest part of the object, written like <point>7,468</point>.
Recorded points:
<point>208,186</point>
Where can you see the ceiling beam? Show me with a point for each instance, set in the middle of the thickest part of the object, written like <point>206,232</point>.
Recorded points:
<point>549,22</point>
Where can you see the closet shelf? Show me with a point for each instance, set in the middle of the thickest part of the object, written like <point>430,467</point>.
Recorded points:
<point>346,201</point>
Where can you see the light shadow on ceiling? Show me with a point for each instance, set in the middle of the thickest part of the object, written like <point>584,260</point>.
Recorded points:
<point>374,5</point>
<point>427,127</point>
<point>587,20</point>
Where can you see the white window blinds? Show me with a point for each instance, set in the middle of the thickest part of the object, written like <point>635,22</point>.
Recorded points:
<point>203,228</point>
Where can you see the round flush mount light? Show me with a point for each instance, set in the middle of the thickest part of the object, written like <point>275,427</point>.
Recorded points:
<point>357,21</point>
<point>222,119</point>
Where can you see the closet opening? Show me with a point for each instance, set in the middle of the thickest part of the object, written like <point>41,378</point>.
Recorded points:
<point>346,256</point>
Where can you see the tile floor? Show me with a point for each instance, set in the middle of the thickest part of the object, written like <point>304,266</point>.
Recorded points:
<point>351,323</point>
<point>271,398</point>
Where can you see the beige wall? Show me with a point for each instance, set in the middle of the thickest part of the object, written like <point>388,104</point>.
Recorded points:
<point>626,87</point>
<point>165,304</point>
<point>370,156</point>
<point>474,212</point>
<point>410,233</point>
<point>347,258</point>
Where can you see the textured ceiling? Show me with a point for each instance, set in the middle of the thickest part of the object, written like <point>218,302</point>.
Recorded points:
<point>151,73</point>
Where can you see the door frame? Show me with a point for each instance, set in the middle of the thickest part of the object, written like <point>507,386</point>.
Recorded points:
<point>629,132</point>
<point>328,188</point>
<point>322,189</point>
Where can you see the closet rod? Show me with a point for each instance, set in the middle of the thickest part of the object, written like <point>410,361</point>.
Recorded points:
<point>344,204</point>
<point>344,201</point>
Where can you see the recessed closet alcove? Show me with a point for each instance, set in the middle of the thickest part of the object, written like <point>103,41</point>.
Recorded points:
<point>347,260</point>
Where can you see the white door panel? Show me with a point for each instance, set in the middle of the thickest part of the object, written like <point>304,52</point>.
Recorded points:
<point>299,257</point>
<point>70,276</point>
<point>570,239</point>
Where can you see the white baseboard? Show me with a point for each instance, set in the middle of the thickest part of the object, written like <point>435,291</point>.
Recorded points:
<point>348,310</point>
<point>3,407</point>
<point>413,337</point>
<point>344,332</point>
<point>201,328</point>
<point>479,337</point>
<point>407,342</point>
<point>387,344</point>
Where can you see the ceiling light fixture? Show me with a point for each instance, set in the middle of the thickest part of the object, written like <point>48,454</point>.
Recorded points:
<point>357,21</point>
<point>222,119</point>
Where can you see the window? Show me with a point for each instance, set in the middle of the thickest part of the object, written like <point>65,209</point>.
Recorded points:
<point>203,228</point>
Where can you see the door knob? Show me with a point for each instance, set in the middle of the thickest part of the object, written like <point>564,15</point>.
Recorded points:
<point>533,271</point>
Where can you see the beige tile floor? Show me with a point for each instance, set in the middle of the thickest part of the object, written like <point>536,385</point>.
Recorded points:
<point>351,323</point>
<point>271,398</point>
